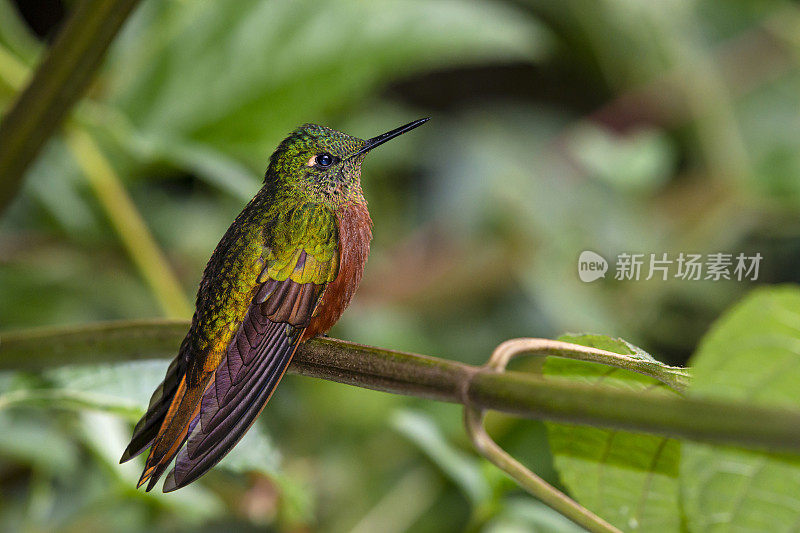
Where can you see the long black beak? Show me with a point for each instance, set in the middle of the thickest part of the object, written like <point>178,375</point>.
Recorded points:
<point>389,135</point>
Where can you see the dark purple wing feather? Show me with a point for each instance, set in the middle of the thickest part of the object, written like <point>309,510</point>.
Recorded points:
<point>247,378</point>
<point>212,437</point>
<point>253,365</point>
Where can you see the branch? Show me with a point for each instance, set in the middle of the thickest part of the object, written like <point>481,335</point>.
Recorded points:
<point>58,83</point>
<point>518,393</point>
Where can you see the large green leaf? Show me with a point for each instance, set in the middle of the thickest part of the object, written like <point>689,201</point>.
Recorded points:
<point>752,354</point>
<point>122,389</point>
<point>238,76</point>
<point>629,479</point>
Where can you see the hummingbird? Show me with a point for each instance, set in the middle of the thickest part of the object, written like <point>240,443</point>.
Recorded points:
<point>284,272</point>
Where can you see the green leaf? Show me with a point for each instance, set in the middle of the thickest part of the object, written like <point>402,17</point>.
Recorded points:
<point>751,354</point>
<point>121,389</point>
<point>629,479</point>
<point>106,436</point>
<point>69,399</point>
<point>462,469</point>
<point>212,166</point>
<point>238,76</point>
<point>652,370</point>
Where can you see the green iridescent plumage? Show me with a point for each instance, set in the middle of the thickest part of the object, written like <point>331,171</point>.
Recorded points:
<point>294,212</point>
<point>284,271</point>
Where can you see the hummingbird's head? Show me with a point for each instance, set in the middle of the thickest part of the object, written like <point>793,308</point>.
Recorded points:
<point>325,164</point>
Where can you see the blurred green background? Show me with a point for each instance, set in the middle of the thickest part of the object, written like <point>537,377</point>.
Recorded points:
<point>557,127</point>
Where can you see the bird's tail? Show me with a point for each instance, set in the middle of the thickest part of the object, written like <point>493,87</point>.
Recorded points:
<point>211,413</point>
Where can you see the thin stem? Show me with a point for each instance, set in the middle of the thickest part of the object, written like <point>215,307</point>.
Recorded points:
<point>675,377</point>
<point>532,396</point>
<point>539,488</point>
<point>117,204</point>
<point>535,485</point>
<point>128,223</point>
<point>57,84</point>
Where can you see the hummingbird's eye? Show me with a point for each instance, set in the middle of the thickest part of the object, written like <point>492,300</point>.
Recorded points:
<point>323,160</point>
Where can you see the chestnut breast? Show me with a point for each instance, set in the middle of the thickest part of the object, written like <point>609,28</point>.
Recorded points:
<point>355,234</point>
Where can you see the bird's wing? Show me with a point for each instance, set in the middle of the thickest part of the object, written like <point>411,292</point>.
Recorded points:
<point>243,383</point>
<point>215,411</point>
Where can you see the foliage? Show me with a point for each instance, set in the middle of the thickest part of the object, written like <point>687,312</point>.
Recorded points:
<point>629,479</point>
<point>650,483</point>
<point>557,127</point>
<point>750,354</point>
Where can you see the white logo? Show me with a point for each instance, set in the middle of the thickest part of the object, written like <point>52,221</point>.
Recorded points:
<point>591,266</point>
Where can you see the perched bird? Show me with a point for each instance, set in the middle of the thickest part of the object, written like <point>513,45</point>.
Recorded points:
<point>284,272</point>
